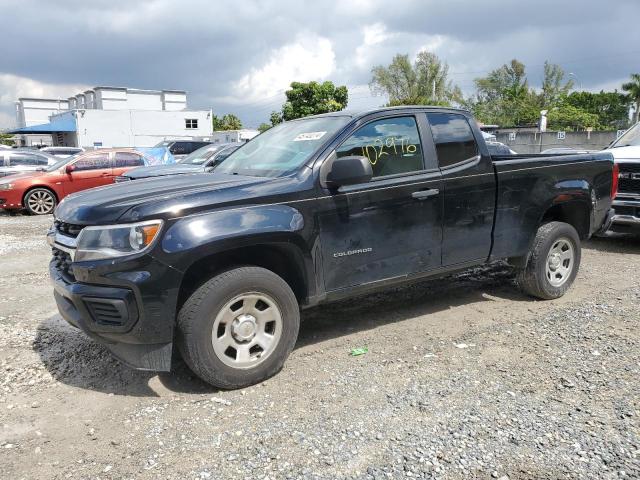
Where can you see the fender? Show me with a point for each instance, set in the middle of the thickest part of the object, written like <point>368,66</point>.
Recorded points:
<point>210,228</point>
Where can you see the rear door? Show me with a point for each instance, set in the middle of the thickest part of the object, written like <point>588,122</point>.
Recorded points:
<point>90,170</point>
<point>123,161</point>
<point>469,189</point>
<point>392,225</point>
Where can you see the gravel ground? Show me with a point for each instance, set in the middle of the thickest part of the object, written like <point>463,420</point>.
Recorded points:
<point>465,378</point>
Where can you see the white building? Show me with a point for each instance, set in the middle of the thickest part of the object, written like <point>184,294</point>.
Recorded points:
<point>233,136</point>
<point>111,117</point>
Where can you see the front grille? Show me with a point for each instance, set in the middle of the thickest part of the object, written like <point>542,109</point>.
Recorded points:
<point>67,228</point>
<point>63,264</point>
<point>629,185</point>
<point>629,167</point>
<point>627,210</point>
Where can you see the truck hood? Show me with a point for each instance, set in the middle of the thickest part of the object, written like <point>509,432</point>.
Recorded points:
<point>162,170</point>
<point>625,153</point>
<point>159,197</point>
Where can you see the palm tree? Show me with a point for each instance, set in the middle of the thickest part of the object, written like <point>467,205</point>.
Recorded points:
<point>633,88</point>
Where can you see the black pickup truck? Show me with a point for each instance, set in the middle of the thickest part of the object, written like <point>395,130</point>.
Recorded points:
<point>311,211</point>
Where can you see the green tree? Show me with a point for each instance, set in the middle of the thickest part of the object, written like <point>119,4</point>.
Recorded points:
<point>263,127</point>
<point>226,122</point>
<point>554,88</point>
<point>6,139</point>
<point>612,108</point>
<point>275,118</point>
<point>304,99</point>
<point>568,117</point>
<point>504,98</point>
<point>425,82</point>
<point>633,88</point>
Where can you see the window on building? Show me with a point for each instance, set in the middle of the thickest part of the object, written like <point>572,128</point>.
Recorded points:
<point>392,145</point>
<point>191,123</point>
<point>453,138</point>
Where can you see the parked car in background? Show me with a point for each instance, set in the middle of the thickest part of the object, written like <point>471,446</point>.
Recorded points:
<point>565,151</point>
<point>40,191</point>
<point>497,148</point>
<point>62,152</point>
<point>13,161</point>
<point>626,152</point>
<point>204,159</point>
<point>181,148</point>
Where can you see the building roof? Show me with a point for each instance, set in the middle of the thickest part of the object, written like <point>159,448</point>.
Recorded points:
<point>65,123</point>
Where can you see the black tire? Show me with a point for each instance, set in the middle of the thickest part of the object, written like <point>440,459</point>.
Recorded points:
<point>40,201</point>
<point>197,317</point>
<point>534,279</point>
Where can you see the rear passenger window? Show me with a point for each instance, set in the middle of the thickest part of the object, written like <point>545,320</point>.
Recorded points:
<point>392,145</point>
<point>127,159</point>
<point>93,162</point>
<point>453,138</point>
<point>26,159</point>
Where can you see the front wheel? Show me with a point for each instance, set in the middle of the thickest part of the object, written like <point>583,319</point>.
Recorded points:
<point>239,327</point>
<point>40,201</point>
<point>553,262</point>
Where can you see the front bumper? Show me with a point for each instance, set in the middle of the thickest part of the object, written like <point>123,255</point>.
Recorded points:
<point>128,306</point>
<point>626,218</point>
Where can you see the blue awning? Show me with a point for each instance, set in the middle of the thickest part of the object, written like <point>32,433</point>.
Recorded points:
<point>64,124</point>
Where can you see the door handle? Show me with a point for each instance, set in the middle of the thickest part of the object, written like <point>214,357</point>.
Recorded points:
<point>424,194</point>
<point>106,174</point>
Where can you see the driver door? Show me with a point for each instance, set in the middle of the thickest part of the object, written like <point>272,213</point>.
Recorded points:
<point>91,170</point>
<point>391,226</point>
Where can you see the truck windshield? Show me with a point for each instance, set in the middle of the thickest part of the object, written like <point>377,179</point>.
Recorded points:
<point>282,149</point>
<point>631,138</point>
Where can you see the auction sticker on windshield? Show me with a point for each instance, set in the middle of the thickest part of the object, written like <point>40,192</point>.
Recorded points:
<point>309,136</point>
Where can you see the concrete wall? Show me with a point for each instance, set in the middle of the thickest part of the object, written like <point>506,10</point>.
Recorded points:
<point>536,142</point>
<point>137,128</point>
<point>37,111</point>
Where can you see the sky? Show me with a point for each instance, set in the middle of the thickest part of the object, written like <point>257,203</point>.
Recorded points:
<point>240,56</point>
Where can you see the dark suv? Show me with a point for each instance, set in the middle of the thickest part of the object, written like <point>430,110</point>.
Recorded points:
<point>181,148</point>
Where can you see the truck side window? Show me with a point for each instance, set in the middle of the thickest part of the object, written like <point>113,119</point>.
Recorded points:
<point>453,138</point>
<point>392,145</point>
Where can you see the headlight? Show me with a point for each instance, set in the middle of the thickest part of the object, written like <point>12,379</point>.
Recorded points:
<point>112,241</point>
<point>6,186</point>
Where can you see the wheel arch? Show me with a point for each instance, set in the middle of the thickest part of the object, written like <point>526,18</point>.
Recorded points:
<point>42,187</point>
<point>284,259</point>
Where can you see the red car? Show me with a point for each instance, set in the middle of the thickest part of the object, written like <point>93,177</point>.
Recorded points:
<point>39,192</point>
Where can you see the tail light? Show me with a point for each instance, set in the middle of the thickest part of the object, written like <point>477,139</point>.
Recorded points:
<point>614,180</point>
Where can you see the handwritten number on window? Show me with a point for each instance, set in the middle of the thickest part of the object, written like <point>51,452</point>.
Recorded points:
<point>376,150</point>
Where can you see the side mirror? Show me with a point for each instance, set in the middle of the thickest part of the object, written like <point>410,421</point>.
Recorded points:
<point>337,172</point>
<point>69,168</point>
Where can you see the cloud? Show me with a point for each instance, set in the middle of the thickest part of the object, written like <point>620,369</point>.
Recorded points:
<point>13,87</point>
<point>239,57</point>
<point>309,57</point>
<point>372,35</point>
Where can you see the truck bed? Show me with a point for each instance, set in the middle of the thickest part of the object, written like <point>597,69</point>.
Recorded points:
<point>523,186</point>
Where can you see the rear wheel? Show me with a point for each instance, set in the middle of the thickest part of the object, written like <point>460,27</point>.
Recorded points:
<point>553,262</point>
<point>239,327</point>
<point>40,201</point>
